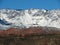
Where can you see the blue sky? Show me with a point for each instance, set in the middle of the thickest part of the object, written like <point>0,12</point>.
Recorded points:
<point>27,4</point>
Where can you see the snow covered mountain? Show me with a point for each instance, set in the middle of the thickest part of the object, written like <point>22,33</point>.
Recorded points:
<point>29,18</point>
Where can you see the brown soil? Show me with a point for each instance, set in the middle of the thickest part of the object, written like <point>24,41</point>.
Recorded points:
<point>30,36</point>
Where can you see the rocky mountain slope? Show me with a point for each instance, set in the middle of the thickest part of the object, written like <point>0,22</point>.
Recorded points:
<point>29,27</point>
<point>29,18</point>
<point>29,31</point>
<point>30,36</point>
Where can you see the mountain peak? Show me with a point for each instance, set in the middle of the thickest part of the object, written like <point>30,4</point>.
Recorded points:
<point>29,18</point>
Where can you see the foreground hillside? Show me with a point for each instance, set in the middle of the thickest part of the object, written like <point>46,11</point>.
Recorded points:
<point>30,36</point>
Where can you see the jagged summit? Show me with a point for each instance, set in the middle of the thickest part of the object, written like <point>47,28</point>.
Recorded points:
<point>29,18</point>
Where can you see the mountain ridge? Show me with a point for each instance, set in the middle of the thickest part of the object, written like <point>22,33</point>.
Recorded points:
<point>30,18</point>
<point>29,31</point>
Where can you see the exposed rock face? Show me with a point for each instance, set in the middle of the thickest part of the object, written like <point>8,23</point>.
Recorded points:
<point>30,36</point>
<point>30,31</point>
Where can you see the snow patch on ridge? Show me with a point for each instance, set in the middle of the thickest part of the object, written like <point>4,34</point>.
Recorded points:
<point>29,18</point>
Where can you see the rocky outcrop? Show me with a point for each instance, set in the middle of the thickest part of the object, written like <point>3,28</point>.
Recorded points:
<point>30,31</point>
<point>30,36</point>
